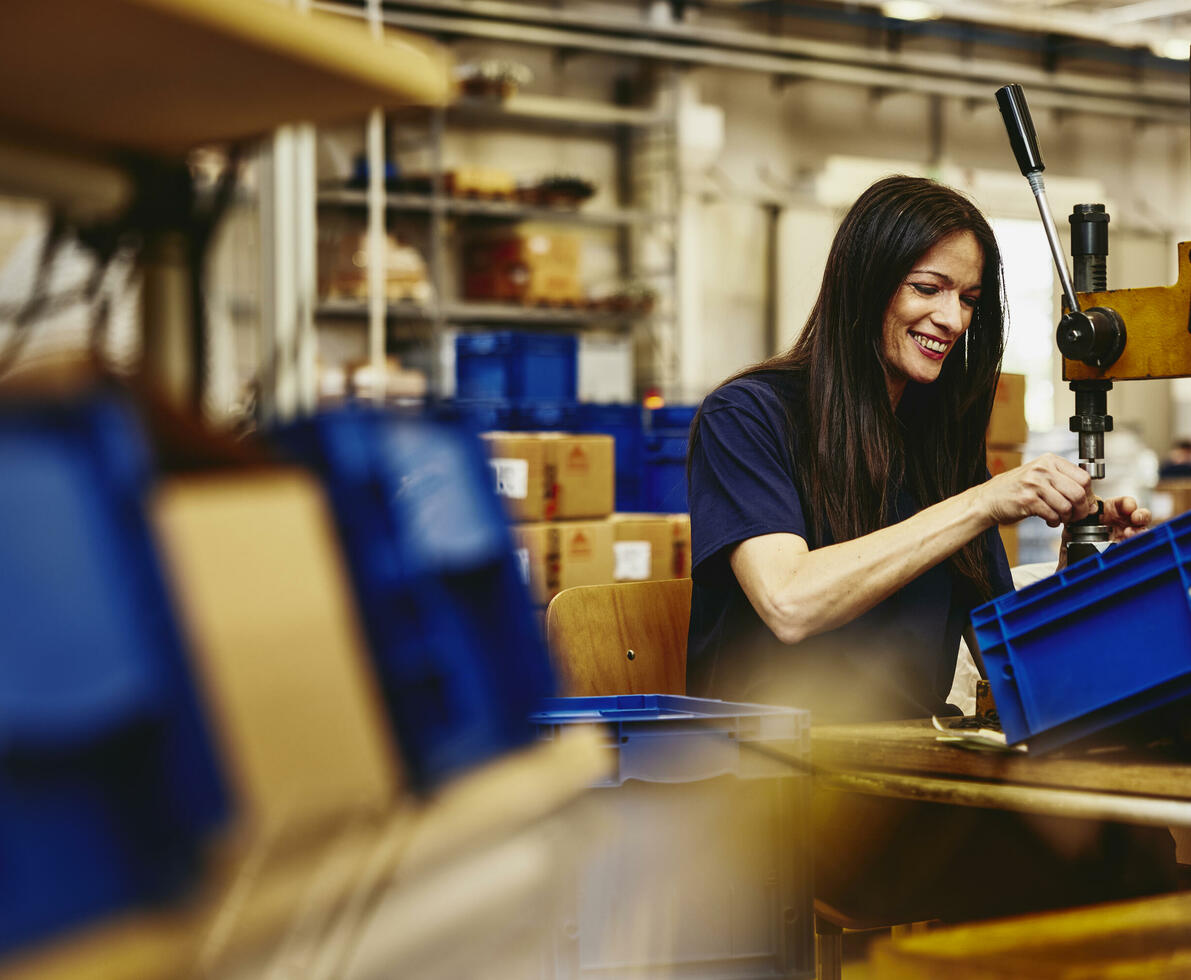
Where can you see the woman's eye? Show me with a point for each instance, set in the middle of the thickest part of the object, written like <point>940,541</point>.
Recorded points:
<point>971,302</point>
<point>924,289</point>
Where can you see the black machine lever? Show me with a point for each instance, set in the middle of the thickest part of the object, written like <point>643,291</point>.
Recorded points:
<point>1020,126</point>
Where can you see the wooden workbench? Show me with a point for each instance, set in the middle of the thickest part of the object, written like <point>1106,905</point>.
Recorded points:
<point>904,759</point>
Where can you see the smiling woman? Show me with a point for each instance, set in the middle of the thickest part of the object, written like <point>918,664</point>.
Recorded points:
<point>842,517</point>
<point>844,525</point>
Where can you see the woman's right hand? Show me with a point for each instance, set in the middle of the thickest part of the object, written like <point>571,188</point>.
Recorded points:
<point>1049,487</point>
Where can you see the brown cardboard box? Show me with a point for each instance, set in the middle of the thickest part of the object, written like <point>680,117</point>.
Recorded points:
<point>551,475</point>
<point>584,475</point>
<point>1171,497</point>
<point>520,469</point>
<point>562,555</point>
<point>651,547</point>
<point>1009,540</point>
<point>643,545</point>
<point>680,525</point>
<point>1002,460</point>
<point>1007,426</point>
<point>529,265</point>
<point>280,655</point>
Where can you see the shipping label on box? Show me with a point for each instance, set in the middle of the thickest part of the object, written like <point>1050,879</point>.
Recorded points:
<point>644,547</point>
<point>1007,426</point>
<point>521,474</point>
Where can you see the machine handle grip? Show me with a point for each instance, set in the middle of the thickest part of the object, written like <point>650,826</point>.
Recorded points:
<point>1020,127</point>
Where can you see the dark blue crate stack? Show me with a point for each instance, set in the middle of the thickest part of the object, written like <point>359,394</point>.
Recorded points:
<point>625,423</point>
<point>516,380</point>
<point>666,439</point>
<point>1104,641</point>
<point>108,780</point>
<point>459,655</point>
<point>708,870</point>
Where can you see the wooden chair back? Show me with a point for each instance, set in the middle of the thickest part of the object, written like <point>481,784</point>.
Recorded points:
<point>628,638</point>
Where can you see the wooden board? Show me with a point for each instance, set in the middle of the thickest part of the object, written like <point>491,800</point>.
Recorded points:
<point>1145,938</point>
<point>163,75</point>
<point>910,746</point>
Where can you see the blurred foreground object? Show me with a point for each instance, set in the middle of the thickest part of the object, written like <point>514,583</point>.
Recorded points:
<point>458,654</point>
<point>708,867</point>
<point>1145,938</point>
<point>108,783</point>
<point>105,149</point>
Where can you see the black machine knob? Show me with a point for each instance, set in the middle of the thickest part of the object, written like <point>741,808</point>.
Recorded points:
<point>1020,127</point>
<point>1095,336</point>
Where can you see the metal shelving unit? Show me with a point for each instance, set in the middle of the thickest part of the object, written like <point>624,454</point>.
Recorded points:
<point>494,209</point>
<point>635,131</point>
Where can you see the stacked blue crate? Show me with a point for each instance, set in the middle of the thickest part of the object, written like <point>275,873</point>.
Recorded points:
<point>516,380</point>
<point>625,424</point>
<point>108,779</point>
<point>666,440</point>
<point>459,656</point>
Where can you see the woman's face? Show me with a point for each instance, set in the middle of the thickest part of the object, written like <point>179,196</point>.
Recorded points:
<point>930,311</point>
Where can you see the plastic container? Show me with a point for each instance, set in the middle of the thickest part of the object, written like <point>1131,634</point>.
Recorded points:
<point>625,424</point>
<point>707,867</point>
<point>672,417</point>
<point>458,652</point>
<point>1104,641</point>
<point>513,416</point>
<point>108,780</point>
<point>516,365</point>
<point>665,485</point>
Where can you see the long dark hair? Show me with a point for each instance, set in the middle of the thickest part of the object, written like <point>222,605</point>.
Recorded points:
<point>853,449</point>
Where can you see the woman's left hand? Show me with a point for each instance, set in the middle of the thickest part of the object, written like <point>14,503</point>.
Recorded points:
<point>1125,518</point>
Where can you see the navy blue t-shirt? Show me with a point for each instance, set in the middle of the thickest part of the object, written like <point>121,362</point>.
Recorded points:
<point>895,661</point>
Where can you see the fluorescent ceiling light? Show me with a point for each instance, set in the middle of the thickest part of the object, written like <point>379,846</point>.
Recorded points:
<point>908,10</point>
<point>1175,48</point>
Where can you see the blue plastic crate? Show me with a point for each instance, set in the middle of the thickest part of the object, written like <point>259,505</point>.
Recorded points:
<point>709,873</point>
<point>458,652</point>
<point>108,780</point>
<point>665,484</point>
<point>625,423</point>
<point>672,417</point>
<point>516,365</point>
<point>512,416</point>
<point>1103,641</point>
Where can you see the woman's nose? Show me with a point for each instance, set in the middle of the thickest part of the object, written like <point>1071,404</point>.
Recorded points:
<point>949,311</point>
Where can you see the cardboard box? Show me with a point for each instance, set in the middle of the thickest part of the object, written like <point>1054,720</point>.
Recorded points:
<point>584,469</point>
<point>643,546</point>
<point>680,527</point>
<point>552,475</point>
<point>1171,497</point>
<point>529,265</point>
<point>651,547</point>
<point>1009,540</point>
<point>281,657</point>
<point>563,555</point>
<point>1002,460</point>
<point>520,470</point>
<point>1007,426</point>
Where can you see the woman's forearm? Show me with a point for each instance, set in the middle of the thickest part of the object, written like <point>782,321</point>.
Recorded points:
<point>799,593</point>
